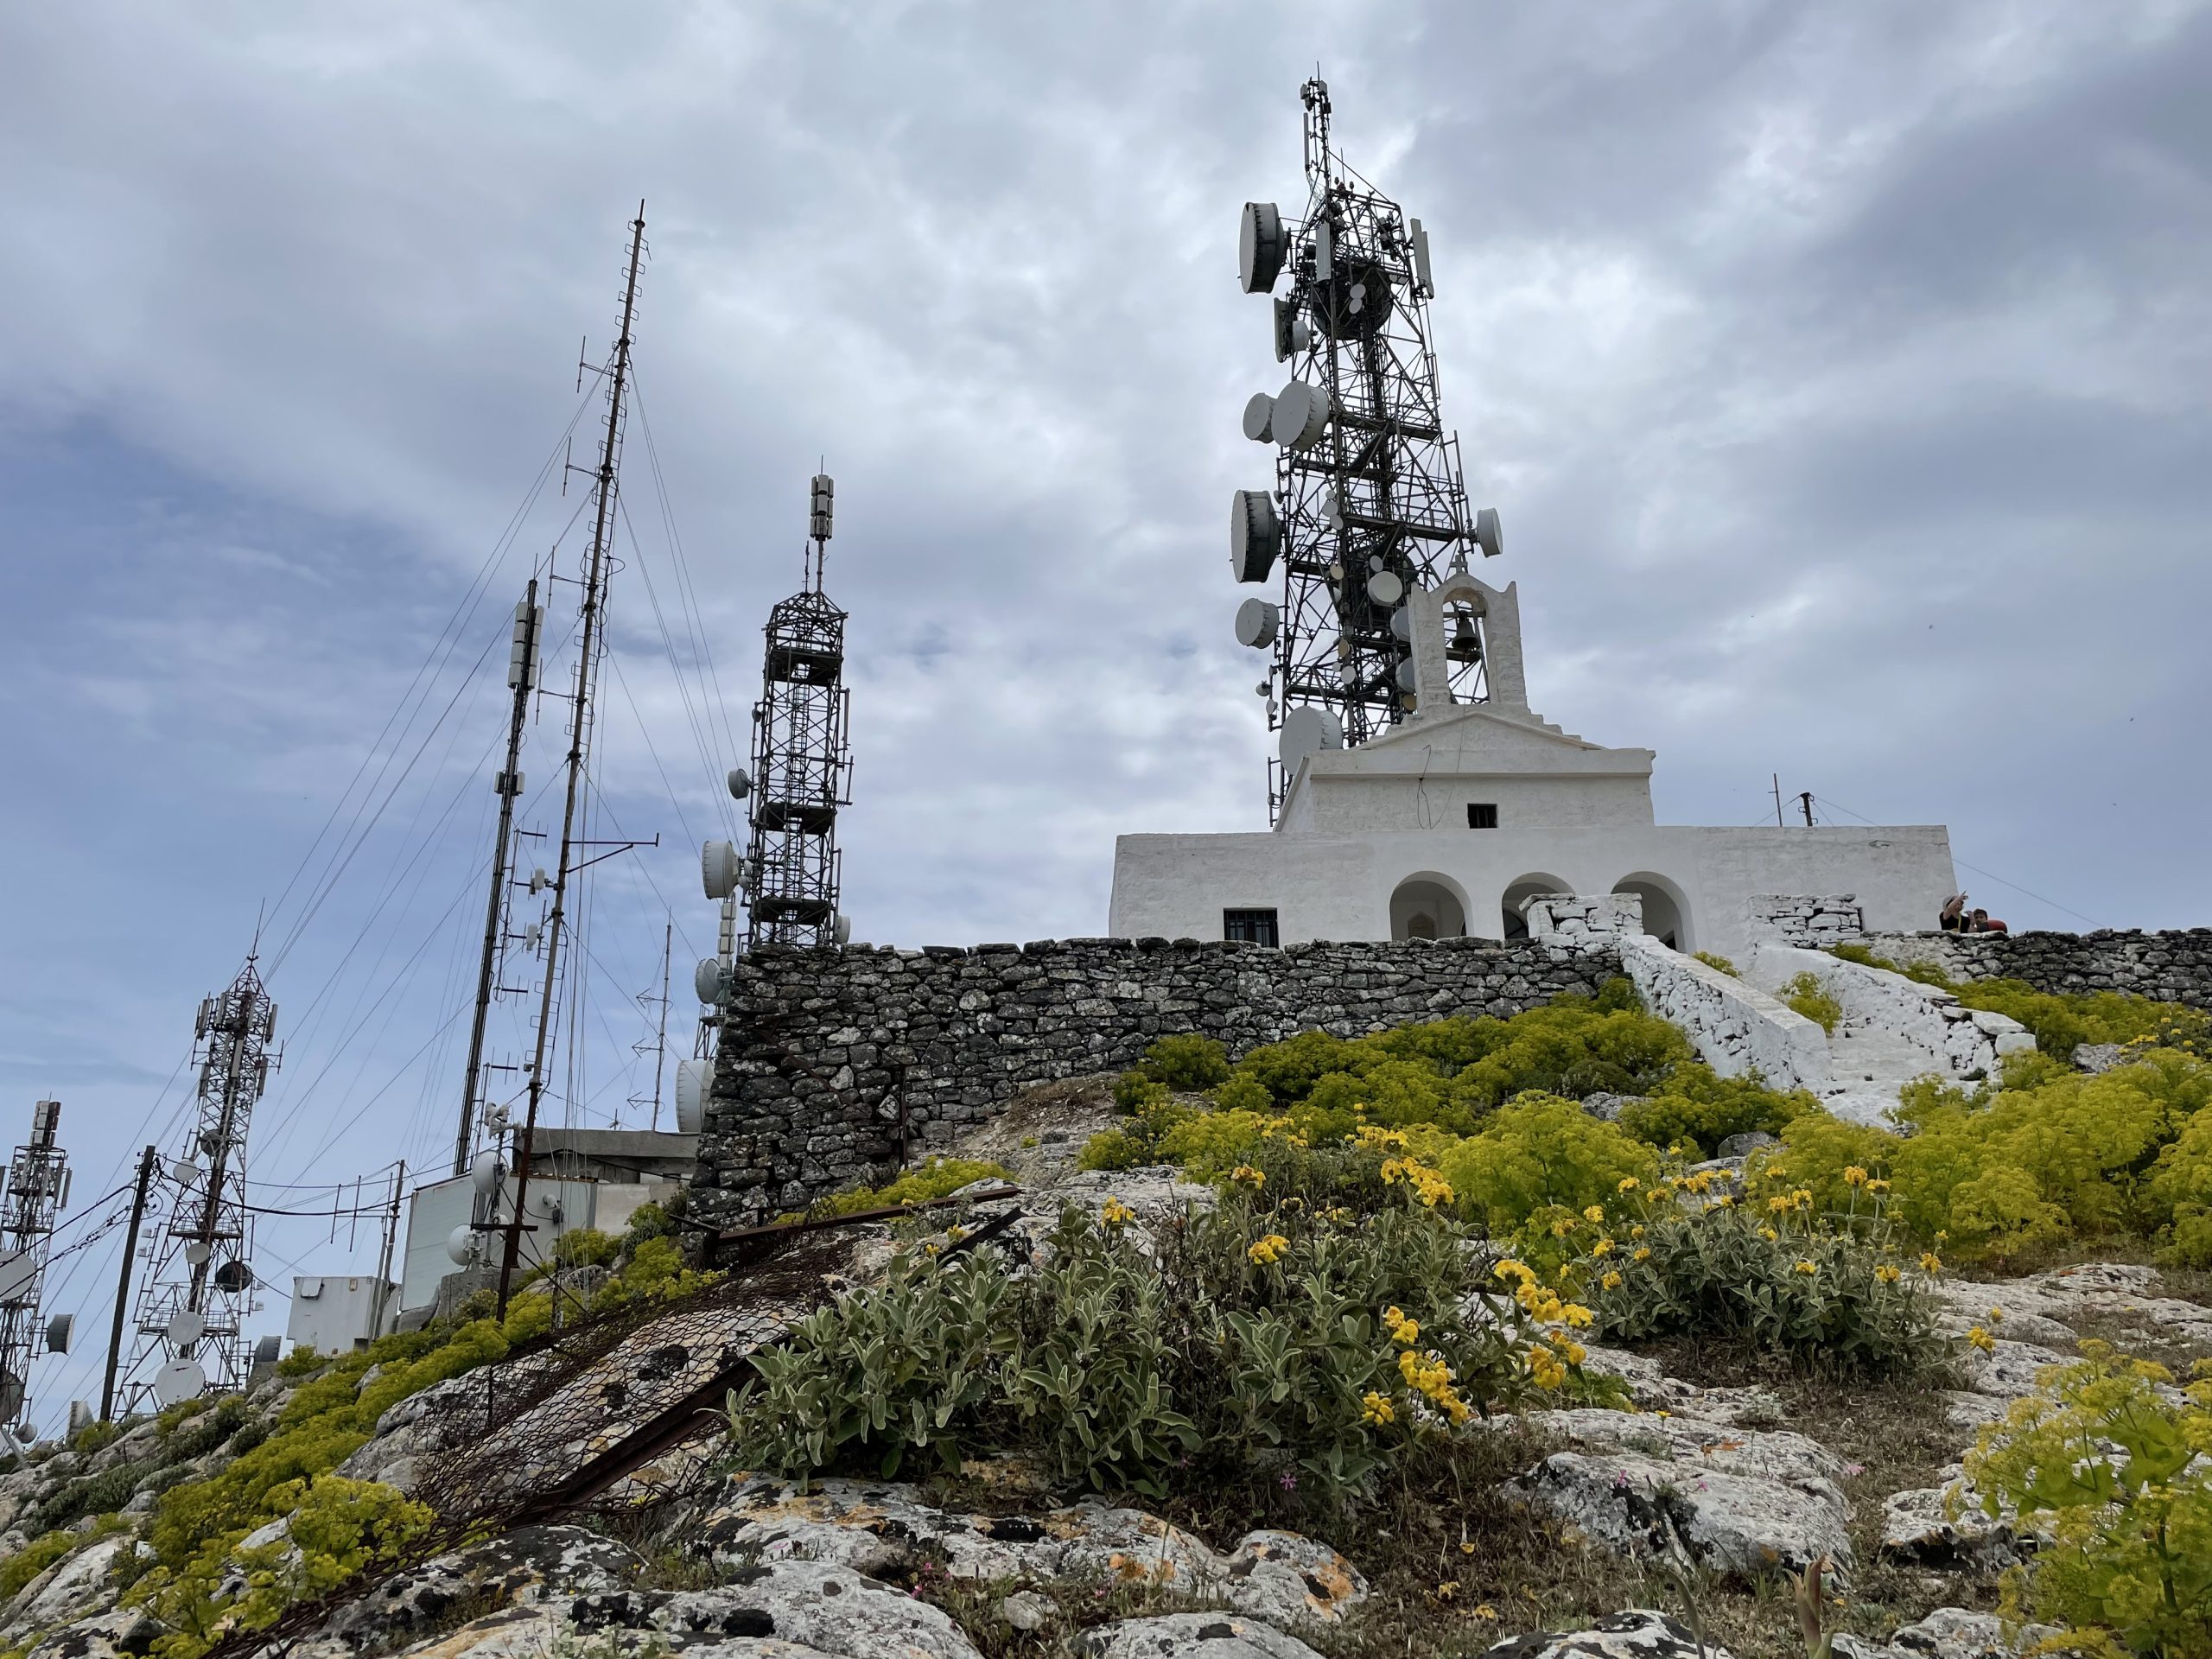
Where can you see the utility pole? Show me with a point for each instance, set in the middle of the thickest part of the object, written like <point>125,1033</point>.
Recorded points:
<point>1805,800</point>
<point>522,676</point>
<point>589,623</point>
<point>1778,801</point>
<point>391,1239</point>
<point>123,1282</point>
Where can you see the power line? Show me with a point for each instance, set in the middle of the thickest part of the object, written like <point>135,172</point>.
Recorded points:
<point>1977,869</point>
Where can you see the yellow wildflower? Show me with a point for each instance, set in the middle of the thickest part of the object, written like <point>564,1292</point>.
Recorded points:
<point>1376,1409</point>
<point>1509,1268</point>
<point>1575,1313</point>
<point>1249,1176</point>
<point>1115,1213</point>
<point>1997,1316</point>
<point>1446,1590</point>
<point>1403,1331</point>
<point>1807,1268</point>
<point>1483,1611</point>
<point>1981,1339</point>
<point>1854,1175</point>
<point>1574,1351</point>
<point>1636,1231</point>
<point>1611,1282</point>
<point>1545,1368</point>
<point>1603,1247</point>
<point>1643,1253</point>
<point>1562,1227</point>
<point>1769,1234</point>
<point>1269,1249</point>
<point>1930,1262</point>
<point>1887,1275</point>
<point>1596,1212</point>
<point>1628,1184</point>
<point>1877,1186</point>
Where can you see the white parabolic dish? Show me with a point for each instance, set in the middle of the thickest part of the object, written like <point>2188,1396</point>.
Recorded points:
<point>1256,621</point>
<point>691,1096</point>
<point>1301,416</point>
<point>1259,246</point>
<point>1259,417</point>
<point>186,1327</point>
<point>1255,533</point>
<point>1306,729</point>
<point>179,1381</point>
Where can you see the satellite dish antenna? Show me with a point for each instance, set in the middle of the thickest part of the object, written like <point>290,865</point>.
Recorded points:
<point>233,1277</point>
<point>461,1245</point>
<point>186,1326</point>
<point>1386,588</point>
<point>1306,730</point>
<point>1260,246</point>
<point>546,1203</point>
<point>1489,535</point>
<point>1259,417</point>
<point>1254,534</point>
<point>1256,622</point>
<point>484,1174</point>
<point>59,1329</point>
<point>198,1251</point>
<point>718,868</point>
<point>843,932</point>
<point>691,1083</point>
<point>741,783</point>
<point>179,1381</point>
<point>1401,626</point>
<point>1301,416</point>
<point>1406,679</point>
<point>184,1170</point>
<point>707,980</point>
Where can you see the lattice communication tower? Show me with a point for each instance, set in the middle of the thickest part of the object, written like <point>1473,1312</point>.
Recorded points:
<point>1369,498</point>
<point>802,759</point>
<point>193,1304</point>
<point>37,1190</point>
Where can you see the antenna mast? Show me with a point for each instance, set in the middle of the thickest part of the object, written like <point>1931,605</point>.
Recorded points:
<point>37,1189</point>
<point>193,1305</point>
<point>1370,500</point>
<point>522,676</point>
<point>590,619</point>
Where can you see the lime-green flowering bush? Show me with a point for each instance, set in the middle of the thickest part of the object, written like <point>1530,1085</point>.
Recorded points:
<point>2118,1473</point>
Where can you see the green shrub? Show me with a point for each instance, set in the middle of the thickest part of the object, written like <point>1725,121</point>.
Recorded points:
<point>94,1436</point>
<point>1711,960</point>
<point>1696,1110</point>
<point>1260,1338</point>
<point>1540,1155</point>
<point>1771,1276</point>
<point>1111,1149</point>
<point>1187,1062</point>
<point>302,1361</point>
<point>1241,1093</point>
<point>1133,1091</point>
<point>935,1177</point>
<point>2128,1558</point>
<point>27,1563</point>
<point>1805,995</point>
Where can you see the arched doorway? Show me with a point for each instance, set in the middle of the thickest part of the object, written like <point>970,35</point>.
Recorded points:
<point>1666,912</point>
<point>1519,891</point>
<point>1427,906</point>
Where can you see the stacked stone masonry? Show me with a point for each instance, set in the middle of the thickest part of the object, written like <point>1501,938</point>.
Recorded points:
<point>1809,923</point>
<point>836,1065</point>
<point>2170,967</point>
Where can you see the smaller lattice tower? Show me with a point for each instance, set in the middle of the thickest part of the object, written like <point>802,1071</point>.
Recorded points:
<point>37,1190</point>
<point>802,759</point>
<point>193,1304</point>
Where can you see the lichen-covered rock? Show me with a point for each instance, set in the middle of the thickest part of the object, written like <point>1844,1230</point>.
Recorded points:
<point>816,1605</point>
<point>70,1590</point>
<point>1646,1507</point>
<point>880,1529</point>
<point>1651,1387</point>
<point>1782,1456</point>
<point>1917,1529</point>
<point>1191,1636</point>
<point>1948,1633</point>
<point>1638,1633</point>
<point>525,1568</point>
<point>118,1633</point>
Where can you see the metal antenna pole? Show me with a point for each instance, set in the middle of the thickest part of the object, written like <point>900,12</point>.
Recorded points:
<point>521,675</point>
<point>1777,800</point>
<point>1806,801</point>
<point>588,649</point>
<point>391,1237</point>
<point>123,1282</point>
<point>660,1041</point>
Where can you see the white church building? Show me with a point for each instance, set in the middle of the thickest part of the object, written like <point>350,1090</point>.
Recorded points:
<point>1449,822</point>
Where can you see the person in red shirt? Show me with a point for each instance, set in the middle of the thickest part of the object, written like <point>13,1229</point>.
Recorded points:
<point>1984,923</point>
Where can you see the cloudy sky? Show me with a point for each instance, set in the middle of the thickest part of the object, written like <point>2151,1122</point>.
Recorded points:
<point>1839,372</point>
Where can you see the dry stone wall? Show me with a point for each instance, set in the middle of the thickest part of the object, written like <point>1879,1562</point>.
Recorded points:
<point>2171,967</point>
<point>836,1064</point>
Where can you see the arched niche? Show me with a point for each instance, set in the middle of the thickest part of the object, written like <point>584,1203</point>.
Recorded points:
<point>1666,908</point>
<point>1426,906</point>
<point>1518,892</point>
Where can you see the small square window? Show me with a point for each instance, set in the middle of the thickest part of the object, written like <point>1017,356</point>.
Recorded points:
<point>1482,814</point>
<point>1250,926</point>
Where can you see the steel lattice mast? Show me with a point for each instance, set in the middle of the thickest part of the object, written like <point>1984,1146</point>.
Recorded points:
<point>1369,498</point>
<point>37,1189</point>
<point>193,1307</point>
<point>802,760</point>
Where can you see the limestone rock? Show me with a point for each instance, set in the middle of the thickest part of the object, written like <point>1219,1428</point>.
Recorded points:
<point>2007,1370</point>
<point>529,1565</point>
<point>1917,1530</point>
<point>1191,1636</point>
<point>1026,1611</point>
<point>1278,1576</point>
<point>70,1590</point>
<point>1638,1633</point>
<point>118,1633</point>
<point>1948,1633</point>
<point>2098,1057</point>
<point>1647,1507</point>
<point>1782,1456</point>
<point>1653,1389</point>
<point>815,1604</point>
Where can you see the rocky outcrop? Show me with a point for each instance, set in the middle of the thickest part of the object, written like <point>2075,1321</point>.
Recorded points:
<point>1190,1636</point>
<point>1638,1633</point>
<point>886,1529</point>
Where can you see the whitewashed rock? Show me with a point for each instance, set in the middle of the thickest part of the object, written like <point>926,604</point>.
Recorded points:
<point>1647,1508</point>
<point>827,1608</point>
<point>1191,1636</point>
<point>880,1529</point>
<point>1701,1445</point>
<point>1638,1633</point>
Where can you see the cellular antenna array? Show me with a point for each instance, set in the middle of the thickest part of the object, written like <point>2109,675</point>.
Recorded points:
<point>37,1190</point>
<point>1369,499</point>
<point>193,1305</point>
